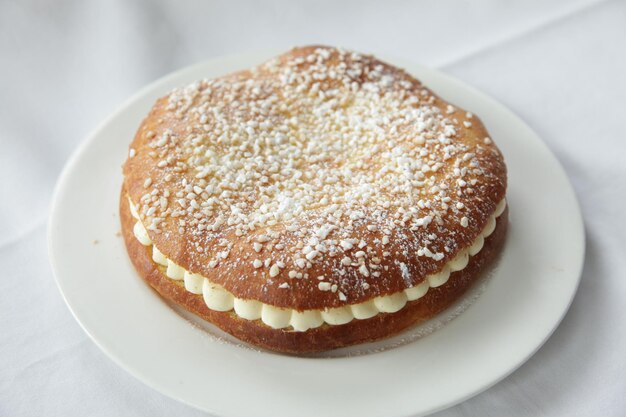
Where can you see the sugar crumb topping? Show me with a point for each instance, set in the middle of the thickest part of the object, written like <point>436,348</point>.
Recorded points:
<point>327,157</point>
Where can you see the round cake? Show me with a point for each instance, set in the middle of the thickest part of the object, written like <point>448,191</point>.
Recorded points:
<point>319,200</point>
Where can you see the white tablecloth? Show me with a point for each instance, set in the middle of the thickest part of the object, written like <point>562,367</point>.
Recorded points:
<point>64,66</point>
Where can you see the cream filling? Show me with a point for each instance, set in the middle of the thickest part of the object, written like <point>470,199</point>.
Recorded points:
<point>219,299</point>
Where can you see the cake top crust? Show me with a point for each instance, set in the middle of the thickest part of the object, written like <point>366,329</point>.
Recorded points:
<point>320,178</point>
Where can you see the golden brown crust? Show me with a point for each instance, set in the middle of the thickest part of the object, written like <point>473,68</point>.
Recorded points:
<point>325,337</point>
<point>236,274</point>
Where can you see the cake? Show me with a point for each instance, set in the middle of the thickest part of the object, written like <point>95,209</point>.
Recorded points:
<point>319,200</point>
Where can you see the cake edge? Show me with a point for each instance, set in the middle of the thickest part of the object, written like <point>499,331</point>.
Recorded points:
<point>325,337</point>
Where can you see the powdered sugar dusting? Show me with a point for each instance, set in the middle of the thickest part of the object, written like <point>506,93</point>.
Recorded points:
<point>324,159</point>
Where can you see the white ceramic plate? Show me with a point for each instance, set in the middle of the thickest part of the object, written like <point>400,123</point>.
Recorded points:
<point>519,307</point>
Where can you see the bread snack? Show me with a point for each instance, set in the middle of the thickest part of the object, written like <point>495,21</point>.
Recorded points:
<point>319,200</point>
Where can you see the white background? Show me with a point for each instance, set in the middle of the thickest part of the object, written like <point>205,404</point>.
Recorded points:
<point>64,66</point>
